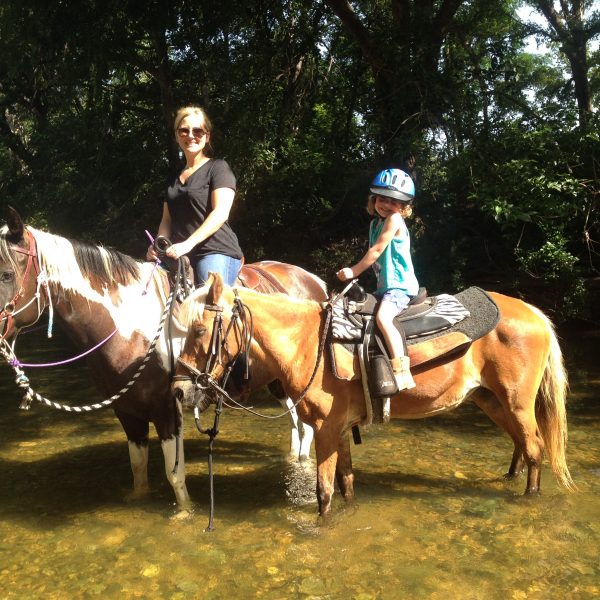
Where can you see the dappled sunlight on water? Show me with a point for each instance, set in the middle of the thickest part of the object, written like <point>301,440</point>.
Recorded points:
<point>433,516</point>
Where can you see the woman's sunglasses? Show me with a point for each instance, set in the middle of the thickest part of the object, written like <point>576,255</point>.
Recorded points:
<point>195,131</point>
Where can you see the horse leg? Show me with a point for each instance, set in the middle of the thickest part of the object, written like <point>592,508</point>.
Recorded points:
<point>137,440</point>
<point>343,471</point>
<point>489,404</point>
<point>138,458</point>
<point>175,468</point>
<point>327,443</point>
<point>517,464</point>
<point>295,442</point>
<point>301,434</point>
<point>522,426</point>
<point>170,432</point>
<point>533,450</point>
<point>307,434</point>
<point>520,408</point>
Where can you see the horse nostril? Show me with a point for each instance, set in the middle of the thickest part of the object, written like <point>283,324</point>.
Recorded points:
<point>178,393</point>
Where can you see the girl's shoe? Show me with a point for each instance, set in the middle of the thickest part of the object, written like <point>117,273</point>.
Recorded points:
<point>401,368</point>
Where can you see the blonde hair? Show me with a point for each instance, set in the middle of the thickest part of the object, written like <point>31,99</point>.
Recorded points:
<point>405,213</point>
<point>186,111</point>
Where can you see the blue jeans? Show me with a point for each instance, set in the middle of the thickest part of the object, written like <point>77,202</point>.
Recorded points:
<point>217,263</point>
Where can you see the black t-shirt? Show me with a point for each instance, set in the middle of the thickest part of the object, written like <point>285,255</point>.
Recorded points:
<point>190,202</point>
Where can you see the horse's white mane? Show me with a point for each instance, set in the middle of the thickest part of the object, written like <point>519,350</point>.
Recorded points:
<point>57,257</point>
<point>62,260</point>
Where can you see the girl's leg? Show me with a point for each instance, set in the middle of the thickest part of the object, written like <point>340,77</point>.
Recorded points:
<point>385,321</point>
<point>217,263</point>
<point>395,343</point>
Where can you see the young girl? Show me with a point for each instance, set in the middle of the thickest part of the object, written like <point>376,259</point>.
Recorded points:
<point>392,192</point>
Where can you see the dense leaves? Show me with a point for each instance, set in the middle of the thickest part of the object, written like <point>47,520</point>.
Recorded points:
<point>309,100</point>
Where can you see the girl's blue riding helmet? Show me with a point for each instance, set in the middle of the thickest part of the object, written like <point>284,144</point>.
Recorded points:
<point>394,184</point>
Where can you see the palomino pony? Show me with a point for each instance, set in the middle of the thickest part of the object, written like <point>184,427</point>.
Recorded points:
<point>97,295</point>
<point>515,374</point>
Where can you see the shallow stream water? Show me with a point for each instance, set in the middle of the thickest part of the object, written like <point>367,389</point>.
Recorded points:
<point>433,517</point>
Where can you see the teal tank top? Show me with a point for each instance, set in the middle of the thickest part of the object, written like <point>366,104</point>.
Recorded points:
<point>394,268</point>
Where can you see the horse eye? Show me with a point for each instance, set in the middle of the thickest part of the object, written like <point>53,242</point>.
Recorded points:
<point>7,277</point>
<point>199,331</point>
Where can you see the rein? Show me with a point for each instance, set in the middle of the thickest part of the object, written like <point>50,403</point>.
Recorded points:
<point>16,362</point>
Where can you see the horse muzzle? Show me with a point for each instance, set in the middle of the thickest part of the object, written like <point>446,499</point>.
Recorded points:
<point>191,395</point>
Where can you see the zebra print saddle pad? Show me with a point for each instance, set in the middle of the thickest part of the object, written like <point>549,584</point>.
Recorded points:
<point>435,314</point>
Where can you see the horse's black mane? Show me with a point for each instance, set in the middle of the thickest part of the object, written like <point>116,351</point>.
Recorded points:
<point>105,264</point>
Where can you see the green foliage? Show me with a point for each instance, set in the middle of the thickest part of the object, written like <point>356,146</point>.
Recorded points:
<point>559,281</point>
<point>308,103</point>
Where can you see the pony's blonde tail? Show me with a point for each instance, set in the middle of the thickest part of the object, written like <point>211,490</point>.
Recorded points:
<point>551,413</point>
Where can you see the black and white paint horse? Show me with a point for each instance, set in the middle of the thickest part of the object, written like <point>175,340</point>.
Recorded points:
<point>93,292</point>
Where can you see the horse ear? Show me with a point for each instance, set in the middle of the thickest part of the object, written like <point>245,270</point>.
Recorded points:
<point>16,228</point>
<point>216,288</point>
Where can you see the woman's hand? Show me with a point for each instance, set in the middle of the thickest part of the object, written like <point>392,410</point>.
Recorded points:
<point>177,250</point>
<point>345,274</point>
<point>151,253</point>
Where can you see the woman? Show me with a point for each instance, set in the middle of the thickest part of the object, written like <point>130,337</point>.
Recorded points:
<point>196,212</point>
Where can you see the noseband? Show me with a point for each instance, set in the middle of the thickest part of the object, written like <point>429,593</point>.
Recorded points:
<point>8,311</point>
<point>241,323</point>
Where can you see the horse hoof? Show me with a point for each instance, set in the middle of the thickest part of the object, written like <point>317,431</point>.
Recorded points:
<point>182,514</point>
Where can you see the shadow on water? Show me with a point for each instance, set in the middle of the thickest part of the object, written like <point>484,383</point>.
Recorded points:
<point>70,480</point>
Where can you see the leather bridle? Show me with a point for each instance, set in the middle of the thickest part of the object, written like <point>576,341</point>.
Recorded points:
<point>219,354</point>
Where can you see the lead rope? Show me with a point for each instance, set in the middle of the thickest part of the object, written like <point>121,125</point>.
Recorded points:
<point>22,380</point>
<point>246,335</point>
<point>217,342</point>
<point>212,433</point>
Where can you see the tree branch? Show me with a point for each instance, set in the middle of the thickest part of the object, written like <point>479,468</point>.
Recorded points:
<point>358,32</point>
